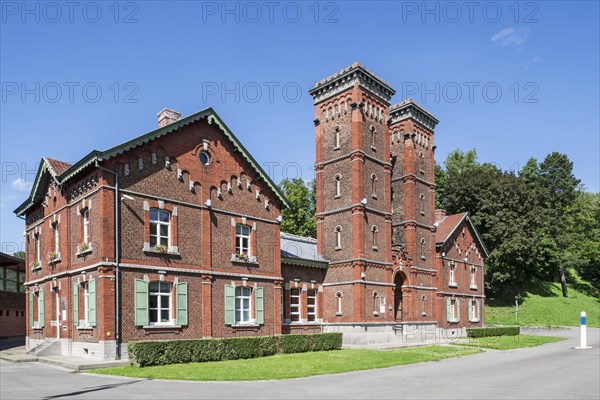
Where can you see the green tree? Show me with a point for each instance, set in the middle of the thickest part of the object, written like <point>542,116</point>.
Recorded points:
<point>440,186</point>
<point>458,161</point>
<point>19,254</point>
<point>299,218</point>
<point>558,189</point>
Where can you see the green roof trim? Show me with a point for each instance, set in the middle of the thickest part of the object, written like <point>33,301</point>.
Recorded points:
<point>303,262</point>
<point>98,156</point>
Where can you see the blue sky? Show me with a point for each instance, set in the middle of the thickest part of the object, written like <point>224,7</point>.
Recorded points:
<point>513,80</point>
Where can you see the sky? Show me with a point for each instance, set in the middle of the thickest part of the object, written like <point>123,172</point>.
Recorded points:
<point>513,80</point>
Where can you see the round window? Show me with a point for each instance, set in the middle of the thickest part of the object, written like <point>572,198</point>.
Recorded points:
<point>204,158</point>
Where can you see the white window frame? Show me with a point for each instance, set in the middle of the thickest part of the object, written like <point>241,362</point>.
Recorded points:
<point>56,238</point>
<point>38,248</point>
<point>338,237</point>
<point>158,223</point>
<point>311,309</point>
<point>374,186</point>
<point>474,310</point>
<point>453,306</point>
<point>338,186</point>
<point>473,283</point>
<point>375,233</point>
<point>336,136</point>
<point>243,293</point>
<point>86,225</point>
<point>240,236</point>
<point>159,295</point>
<point>86,303</point>
<point>452,276</point>
<point>295,309</point>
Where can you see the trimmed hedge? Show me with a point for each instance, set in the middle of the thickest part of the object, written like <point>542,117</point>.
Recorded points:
<point>497,331</point>
<point>203,350</point>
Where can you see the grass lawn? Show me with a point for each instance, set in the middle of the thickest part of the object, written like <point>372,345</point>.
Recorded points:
<point>547,308</point>
<point>509,342</point>
<point>287,366</point>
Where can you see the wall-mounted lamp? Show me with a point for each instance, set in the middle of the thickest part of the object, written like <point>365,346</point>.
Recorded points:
<point>208,203</point>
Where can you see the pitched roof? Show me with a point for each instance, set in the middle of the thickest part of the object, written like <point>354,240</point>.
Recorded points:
<point>300,250</point>
<point>448,225</point>
<point>62,171</point>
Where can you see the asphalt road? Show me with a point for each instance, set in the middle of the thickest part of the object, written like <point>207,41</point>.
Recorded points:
<point>552,371</point>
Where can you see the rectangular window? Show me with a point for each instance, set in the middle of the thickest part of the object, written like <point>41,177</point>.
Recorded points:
<point>474,311</point>
<point>38,248</point>
<point>85,214</point>
<point>452,276</point>
<point>160,222</point>
<point>453,311</point>
<point>243,298</point>
<point>295,304</point>
<point>2,269</point>
<point>86,303</point>
<point>56,238</point>
<point>312,305</point>
<point>160,303</point>
<point>242,239</point>
<point>12,277</point>
<point>473,284</point>
<point>21,282</point>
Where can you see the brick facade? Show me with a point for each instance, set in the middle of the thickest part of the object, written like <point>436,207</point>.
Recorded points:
<point>199,251</point>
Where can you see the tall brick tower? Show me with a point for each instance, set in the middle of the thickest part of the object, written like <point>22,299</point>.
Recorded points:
<point>413,206</point>
<point>353,182</point>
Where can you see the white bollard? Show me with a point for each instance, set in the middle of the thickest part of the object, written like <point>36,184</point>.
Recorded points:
<point>583,338</point>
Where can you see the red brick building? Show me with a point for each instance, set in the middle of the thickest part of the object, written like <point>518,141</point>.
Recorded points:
<point>175,235</point>
<point>12,301</point>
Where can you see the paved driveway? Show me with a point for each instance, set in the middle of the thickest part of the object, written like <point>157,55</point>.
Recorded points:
<point>553,371</point>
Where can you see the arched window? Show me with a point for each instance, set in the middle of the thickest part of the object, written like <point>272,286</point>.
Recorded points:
<point>374,233</point>
<point>338,299</point>
<point>374,186</point>
<point>421,162</point>
<point>336,138</point>
<point>338,237</point>
<point>422,202</point>
<point>338,185</point>
<point>422,248</point>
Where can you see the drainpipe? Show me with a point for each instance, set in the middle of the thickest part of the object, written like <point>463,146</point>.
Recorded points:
<point>117,260</point>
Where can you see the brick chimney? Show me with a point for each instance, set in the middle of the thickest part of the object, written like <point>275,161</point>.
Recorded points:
<point>439,214</point>
<point>167,116</point>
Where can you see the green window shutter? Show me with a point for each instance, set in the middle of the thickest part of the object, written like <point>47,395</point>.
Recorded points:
<point>182,303</point>
<point>92,302</point>
<point>478,310</point>
<point>457,310</point>
<point>260,307</point>
<point>470,310</point>
<point>75,304</point>
<point>141,302</point>
<point>229,304</point>
<point>449,310</point>
<point>31,320</point>
<point>41,308</point>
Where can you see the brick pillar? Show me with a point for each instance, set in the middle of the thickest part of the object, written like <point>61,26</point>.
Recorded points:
<point>277,291</point>
<point>206,305</point>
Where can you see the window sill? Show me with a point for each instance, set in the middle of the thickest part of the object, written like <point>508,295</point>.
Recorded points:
<point>375,248</point>
<point>338,314</point>
<point>473,288</point>
<point>162,326</point>
<point>84,328</point>
<point>35,269</point>
<point>474,320</point>
<point>453,285</point>
<point>156,253</point>
<point>337,196</point>
<point>250,260</point>
<point>242,326</point>
<point>338,248</point>
<point>336,148</point>
<point>373,148</point>
<point>456,321</point>
<point>85,252</point>
<point>422,257</point>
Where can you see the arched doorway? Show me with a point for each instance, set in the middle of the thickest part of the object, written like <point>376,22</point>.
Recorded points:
<point>398,281</point>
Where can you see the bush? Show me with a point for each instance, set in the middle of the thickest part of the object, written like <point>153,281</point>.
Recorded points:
<point>203,350</point>
<point>496,331</point>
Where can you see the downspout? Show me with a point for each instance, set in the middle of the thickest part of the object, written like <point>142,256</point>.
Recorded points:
<point>117,261</point>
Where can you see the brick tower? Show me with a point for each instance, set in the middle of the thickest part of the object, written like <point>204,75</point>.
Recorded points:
<point>413,207</point>
<point>353,182</point>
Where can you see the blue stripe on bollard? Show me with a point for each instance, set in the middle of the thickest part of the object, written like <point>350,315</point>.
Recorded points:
<point>583,320</point>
